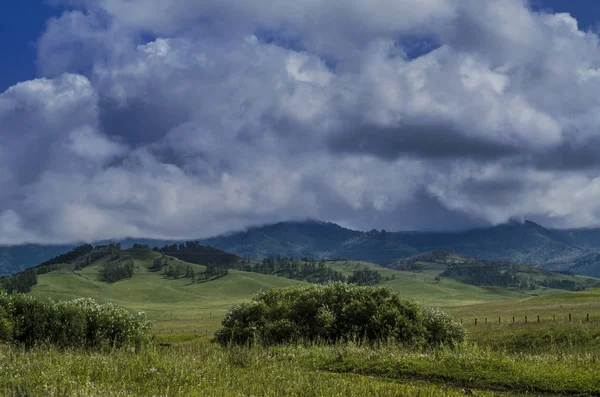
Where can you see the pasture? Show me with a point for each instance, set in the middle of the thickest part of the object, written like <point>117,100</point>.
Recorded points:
<point>550,358</point>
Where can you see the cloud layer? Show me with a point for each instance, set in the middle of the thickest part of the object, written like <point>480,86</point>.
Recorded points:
<point>180,119</point>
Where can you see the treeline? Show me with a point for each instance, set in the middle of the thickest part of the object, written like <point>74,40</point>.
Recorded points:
<point>193,252</point>
<point>568,285</point>
<point>365,277</point>
<point>69,257</point>
<point>23,282</point>
<point>175,270</point>
<point>117,267</point>
<point>218,262</point>
<point>412,263</point>
<point>485,276</point>
<point>495,275</point>
<point>80,257</point>
<point>92,256</point>
<point>310,270</point>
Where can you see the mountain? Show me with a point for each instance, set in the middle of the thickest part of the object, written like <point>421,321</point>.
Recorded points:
<point>574,250</point>
<point>19,257</point>
<point>292,239</point>
<point>526,243</point>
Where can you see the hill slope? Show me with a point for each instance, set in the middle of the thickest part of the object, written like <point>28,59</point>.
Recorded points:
<point>164,299</point>
<point>492,273</point>
<point>183,302</point>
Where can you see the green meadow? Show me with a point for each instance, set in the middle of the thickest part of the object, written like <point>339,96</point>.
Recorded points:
<point>554,357</point>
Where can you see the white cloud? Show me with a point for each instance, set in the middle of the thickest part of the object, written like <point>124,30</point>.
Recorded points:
<point>238,113</point>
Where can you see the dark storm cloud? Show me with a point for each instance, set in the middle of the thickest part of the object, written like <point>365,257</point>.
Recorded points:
<point>423,141</point>
<point>138,120</point>
<point>569,156</point>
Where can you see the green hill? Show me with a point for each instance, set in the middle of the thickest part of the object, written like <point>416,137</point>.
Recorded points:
<point>178,301</point>
<point>492,273</point>
<point>183,299</point>
<point>426,286</point>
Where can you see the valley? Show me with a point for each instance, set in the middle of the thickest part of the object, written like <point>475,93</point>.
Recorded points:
<point>505,355</point>
<point>181,306</point>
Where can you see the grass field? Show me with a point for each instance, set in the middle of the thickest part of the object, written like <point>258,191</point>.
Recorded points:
<point>200,368</point>
<point>424,288</point>
<point>176,305</point>
<point>551,358</point>
<point>179,306</point>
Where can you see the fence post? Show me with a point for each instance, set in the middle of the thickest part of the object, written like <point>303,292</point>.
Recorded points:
<point>461,320</point>
<point>475,322</point>
<point>498,320</point>
<point>513,319</point>
<point>486,321</point>
<point>569,317</point>
<point>554,317</point>
<point>525,319</point>
<point>587,317</point>
<point>538,318</point>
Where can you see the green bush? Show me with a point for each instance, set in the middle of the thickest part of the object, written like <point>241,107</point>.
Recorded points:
<point>336,312</point>
<point>30,321</point>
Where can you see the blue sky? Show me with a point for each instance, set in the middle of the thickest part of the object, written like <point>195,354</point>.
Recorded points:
<point>21,24</point>
<point>23,21</point>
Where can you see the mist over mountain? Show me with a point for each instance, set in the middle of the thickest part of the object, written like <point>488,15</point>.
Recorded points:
<point>524,242</point>
<point>19,257</point>
<point>518,242</point>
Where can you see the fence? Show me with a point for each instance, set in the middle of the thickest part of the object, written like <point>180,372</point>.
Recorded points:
<point>526,320</point>
<point>181,331</point>
<point>523,319</point>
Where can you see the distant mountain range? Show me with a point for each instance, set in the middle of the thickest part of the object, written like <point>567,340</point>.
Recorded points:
<point>576,250</point>
<point>13,259</point>
<point>573,250</point>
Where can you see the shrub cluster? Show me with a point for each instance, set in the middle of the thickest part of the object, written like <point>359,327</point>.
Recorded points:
<point>29,320</point>
<point>336,312</point>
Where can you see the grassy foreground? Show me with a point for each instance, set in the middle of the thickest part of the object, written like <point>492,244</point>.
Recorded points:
<point>200,368</point>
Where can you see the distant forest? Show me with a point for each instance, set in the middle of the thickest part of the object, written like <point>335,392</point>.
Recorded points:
<point>24,281</point>
<point>175,261</point>
<point>79,258</point>
<point>193,252</point>
<point>218,262</point>
<point>502,275</point>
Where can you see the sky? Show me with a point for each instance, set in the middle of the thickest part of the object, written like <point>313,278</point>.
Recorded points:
<point>183,119</point>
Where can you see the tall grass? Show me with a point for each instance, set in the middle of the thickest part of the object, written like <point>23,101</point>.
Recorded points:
<point>198,369</point>
<point>201,368</point>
